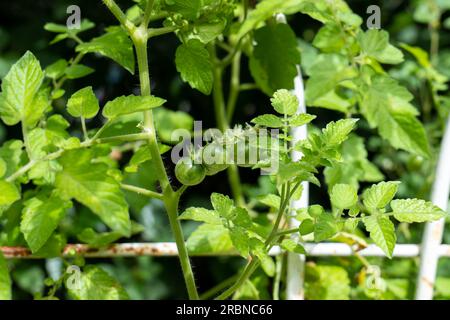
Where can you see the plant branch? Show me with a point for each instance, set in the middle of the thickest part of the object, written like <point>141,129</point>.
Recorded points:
<point>277,279</point>
<point>171,201</point>
<point>254,263</point>
<point>234,85</point>
<point>74,62</point>
<point>25,139</point>
<point>154,32</point>
<point>222,123</point>
<point>170,197</point>
<point>142,191</point>
<point>248,86</point>
<point>86,144</point>
<point>120,15</point>
<point>286,232</point>
<point>248,270</point>
<point>148,12</point>
<point>159,16</point>
<point>216,289</point>
<point>83,127</point>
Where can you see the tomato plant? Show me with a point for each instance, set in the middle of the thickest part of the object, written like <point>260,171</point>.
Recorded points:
<point>55,176</point>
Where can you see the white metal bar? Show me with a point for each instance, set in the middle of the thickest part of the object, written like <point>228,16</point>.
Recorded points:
<point>432,237</point>
<point>169,249</point>
<point>296,262</point>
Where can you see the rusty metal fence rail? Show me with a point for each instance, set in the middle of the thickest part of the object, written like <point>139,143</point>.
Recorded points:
<point>169,249</point>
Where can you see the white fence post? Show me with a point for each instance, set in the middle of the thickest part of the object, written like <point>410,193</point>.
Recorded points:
<point>432,237</point>
<point>296,262</point>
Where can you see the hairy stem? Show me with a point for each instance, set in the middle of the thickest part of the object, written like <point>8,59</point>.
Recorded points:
<point>234,85</point>
<point>254,262</point>
<point>248,271</point>
<point>171,201</point>
<point>144,192</point>
<point>170,197</point>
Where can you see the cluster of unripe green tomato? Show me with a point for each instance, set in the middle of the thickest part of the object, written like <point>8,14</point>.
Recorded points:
<point>214,158</point>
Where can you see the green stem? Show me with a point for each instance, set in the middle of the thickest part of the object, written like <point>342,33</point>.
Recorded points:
<point>120,15</point>
<point>434,28</point>
<point>148,12</point>
<point>76,39</point>
<point>285,196</point>
<point>277,280</point>
<point>159,16</point>
<point>142,191</point>
<point>254,263</point>
<point>117,139</point>
<point>235,183</point>
<point>170,197</point>
<point>25,139</point>
<point>222,123</point>
<point>248,86</point>
<point>218,97</point>
<point>101,130</point>
<point>248,270</point>
<point>140,42</point>
<point>83,127</point>
<point>234,85</point>
<point>171,201</point>
<point>218,288</point>
<point>286,232</point>
<point>160,31</point>
<point>22,171</point>
<point>74,62</point>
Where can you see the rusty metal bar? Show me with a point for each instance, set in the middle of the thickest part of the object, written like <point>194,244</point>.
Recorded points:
<point>169,249</point>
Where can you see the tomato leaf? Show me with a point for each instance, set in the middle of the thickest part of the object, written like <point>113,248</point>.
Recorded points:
<point>382,232</point>
<point>96,284</point>
<point>114,44</point>
<point>130,104</point>
<point>90,184</point>
<point>275,58</point>
<point>19,88</point>
<point>193,62</point>
<point>415,210</point>
<point>379,195</point>
<point>9,193</point>
<point>83,103</point>
<point>41,216</point>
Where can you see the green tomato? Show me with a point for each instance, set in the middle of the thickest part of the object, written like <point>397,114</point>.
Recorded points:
<point>214,159</point>
<point>246,158</point>
<point>189,173</point>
